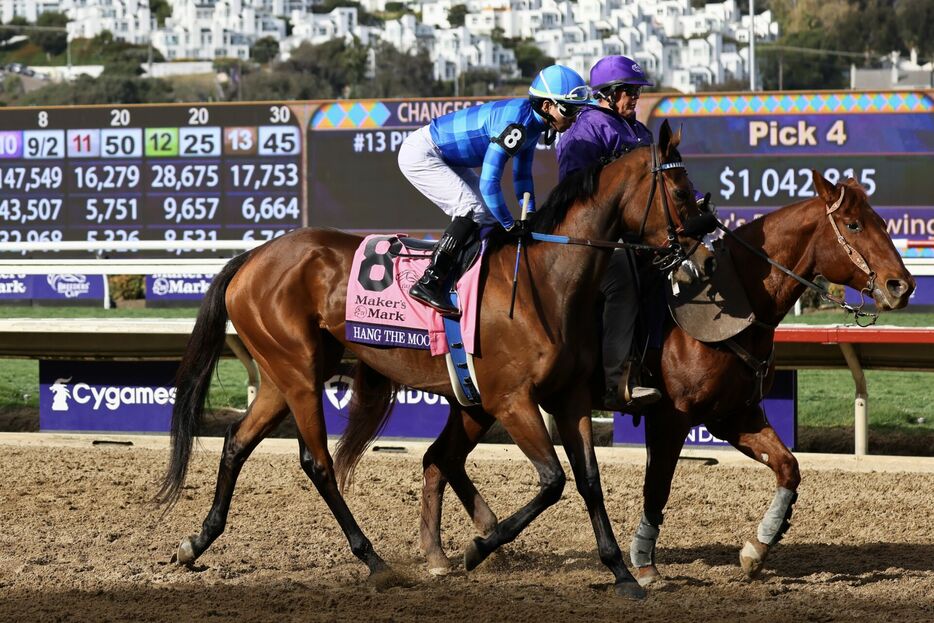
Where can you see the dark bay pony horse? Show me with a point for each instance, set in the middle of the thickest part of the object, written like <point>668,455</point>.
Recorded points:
<point>286,300</point>
<point>710,384</point>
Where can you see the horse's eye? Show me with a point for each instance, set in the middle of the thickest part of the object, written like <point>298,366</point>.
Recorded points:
<point>854,226</point>
<point>682,195</point>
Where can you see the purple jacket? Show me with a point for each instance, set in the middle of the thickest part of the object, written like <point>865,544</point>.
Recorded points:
<point>598,133</point>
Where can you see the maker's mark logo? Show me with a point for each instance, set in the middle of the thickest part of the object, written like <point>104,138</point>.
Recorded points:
<point>60,394</point>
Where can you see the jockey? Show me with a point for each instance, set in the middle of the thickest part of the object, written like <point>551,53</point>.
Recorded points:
<point>439,160</point>
<point>606,132</point>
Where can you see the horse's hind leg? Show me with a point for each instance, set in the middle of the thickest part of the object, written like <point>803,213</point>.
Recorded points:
<point>444,463</point>
<point>267,410</point>
<point>665,432</point>
<point>304,374</point>
<point>751,434</point>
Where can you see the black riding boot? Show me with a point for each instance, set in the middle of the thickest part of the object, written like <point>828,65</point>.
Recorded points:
<point>433,288</point>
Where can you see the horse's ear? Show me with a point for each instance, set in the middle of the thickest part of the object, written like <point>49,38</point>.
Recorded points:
<point>664,136</point>
<point>825,190</point>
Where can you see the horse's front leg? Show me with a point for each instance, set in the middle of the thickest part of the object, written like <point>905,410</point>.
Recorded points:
<point>751,434</point>
<point>444,463</point>
<point>575,427</point>
<point>665,431</point>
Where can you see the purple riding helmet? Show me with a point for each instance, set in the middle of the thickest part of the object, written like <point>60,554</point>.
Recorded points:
<point>614,71</point>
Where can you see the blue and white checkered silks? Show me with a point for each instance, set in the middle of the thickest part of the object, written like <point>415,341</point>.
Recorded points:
<point>468,138</point>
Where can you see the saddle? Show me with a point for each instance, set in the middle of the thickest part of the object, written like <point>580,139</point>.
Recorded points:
<point>466,258</point>
<point>710,304</point>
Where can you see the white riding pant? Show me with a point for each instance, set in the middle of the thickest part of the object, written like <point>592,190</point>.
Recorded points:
<point>456,190</point>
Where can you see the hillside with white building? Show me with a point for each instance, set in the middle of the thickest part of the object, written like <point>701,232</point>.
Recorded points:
<point>680,46</point>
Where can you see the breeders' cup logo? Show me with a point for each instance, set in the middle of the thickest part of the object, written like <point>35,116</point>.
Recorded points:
<point>107,397</point>
<point>339,391</point>
<point>60,394</point>
<point>69,286</point>
<point>360,311</point>
<point>637,69</point>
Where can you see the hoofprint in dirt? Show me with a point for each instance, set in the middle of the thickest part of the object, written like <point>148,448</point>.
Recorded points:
<point>81,541</point>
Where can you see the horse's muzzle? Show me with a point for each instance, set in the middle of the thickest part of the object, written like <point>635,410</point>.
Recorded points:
<point>895,293</point>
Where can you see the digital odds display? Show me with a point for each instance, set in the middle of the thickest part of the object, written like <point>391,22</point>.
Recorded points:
<point>174,173</point>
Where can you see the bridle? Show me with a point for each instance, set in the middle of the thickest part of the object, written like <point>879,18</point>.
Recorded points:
<point>855,256</point>
<point>668,256</point>
<point>674,254</point>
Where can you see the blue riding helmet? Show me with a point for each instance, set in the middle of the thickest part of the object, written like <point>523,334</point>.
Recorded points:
<point>563,86</point>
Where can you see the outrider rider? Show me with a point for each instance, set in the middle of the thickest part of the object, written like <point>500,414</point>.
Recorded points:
<point>439,160</point>
<point>603,133</point>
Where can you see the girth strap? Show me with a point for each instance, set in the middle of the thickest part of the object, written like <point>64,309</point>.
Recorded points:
<point>759,368</point>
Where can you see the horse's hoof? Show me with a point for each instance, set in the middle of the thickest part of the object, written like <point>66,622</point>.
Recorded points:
<point>629,589</point>
<point>438,565</point>
<point>186,552</point>
<point>473,555</point>
<point>752,558</point>
<point>387,578</point>
<point>647,574</point>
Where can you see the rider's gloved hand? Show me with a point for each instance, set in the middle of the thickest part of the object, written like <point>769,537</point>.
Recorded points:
<point>520,229</point>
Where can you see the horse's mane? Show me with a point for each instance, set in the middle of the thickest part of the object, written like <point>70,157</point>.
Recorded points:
<point>580,185</point>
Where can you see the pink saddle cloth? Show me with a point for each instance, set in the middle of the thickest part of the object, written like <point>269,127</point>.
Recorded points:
<point>381,312</point>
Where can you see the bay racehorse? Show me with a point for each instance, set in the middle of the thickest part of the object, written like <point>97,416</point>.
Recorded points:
<point>286,300</point>
<point>836,234</point>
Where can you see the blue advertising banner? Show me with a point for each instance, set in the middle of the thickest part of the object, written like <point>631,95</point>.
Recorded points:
<point>61,287</point>
<point>781,409</point>
<point>15,287</point>
<point>106,396</point>
<point>169,287</point>
<point>416,414</point>
<point>68,287</point>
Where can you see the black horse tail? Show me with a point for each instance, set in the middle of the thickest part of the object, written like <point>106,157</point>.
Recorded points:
<point>194,378</point>
<point>372,402</point>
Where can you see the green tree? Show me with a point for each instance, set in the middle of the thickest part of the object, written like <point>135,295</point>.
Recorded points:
<point>915,21</point>
<point>804,70</point>
<point>457,14</point>
<point>264,50</point>
<point>479,82</point>
<point>102,90</point>
<point>8,33</point>
<point>335,63</point>
<point>52,42</point>
<point>160,9</point>
<point>397,74</point>
<point>531,59</point>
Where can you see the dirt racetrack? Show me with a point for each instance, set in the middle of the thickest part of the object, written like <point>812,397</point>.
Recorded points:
<point>81,542</point>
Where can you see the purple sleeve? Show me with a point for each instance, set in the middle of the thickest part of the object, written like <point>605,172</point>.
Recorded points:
<point>579,148</point>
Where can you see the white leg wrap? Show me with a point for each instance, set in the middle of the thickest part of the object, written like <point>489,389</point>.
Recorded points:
<point>774,523</point>
<point>642,548</point>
